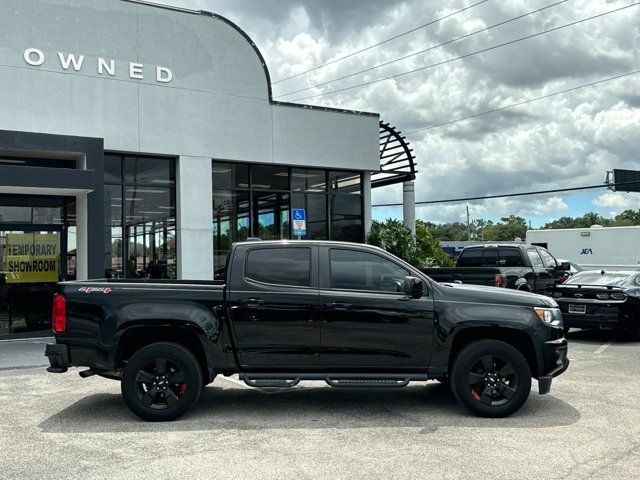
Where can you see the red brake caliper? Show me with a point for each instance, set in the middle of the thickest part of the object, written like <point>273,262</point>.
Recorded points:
<point>475,394</point>
<point>183,388</point>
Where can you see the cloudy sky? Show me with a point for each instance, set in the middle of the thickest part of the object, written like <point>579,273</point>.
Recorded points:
<point>564,141</point>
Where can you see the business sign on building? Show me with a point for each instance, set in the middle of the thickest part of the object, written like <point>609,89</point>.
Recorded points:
<point>32,257</point>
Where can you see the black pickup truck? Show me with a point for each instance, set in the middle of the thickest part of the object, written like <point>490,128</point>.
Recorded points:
<point>349,314</point>
<point>521,267</point>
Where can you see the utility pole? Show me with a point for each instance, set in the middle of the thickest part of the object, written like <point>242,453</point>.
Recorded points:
<point>468,225</point>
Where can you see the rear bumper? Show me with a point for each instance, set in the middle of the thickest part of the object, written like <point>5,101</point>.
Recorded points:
<point>556,363</point>
<point>58,356</point>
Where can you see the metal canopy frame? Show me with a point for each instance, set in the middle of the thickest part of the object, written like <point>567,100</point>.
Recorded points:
<point>397,162</point>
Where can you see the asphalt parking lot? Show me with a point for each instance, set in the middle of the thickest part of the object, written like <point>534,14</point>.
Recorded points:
<point>61,426</point>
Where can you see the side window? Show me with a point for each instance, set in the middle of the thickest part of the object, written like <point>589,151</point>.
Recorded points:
<point>510,257</point>
<point>536,261</point>
<point>470,257</point>
<point>548,260</point>
<point>490,257</point>
<point>353,270</point>
<point>280,266</point>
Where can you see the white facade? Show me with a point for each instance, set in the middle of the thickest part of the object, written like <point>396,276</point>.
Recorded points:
<point>165,81</point>
<point>595,247</point>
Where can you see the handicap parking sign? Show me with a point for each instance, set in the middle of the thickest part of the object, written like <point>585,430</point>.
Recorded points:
<point>299,219</point>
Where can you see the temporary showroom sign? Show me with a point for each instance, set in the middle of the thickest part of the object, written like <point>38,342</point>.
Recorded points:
<point>103,66</point>
<point>32,257</point>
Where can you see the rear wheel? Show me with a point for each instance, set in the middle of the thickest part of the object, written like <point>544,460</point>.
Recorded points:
<point>491,378</point>
<point>162,381</point>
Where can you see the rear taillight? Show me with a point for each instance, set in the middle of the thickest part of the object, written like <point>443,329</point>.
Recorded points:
<point>59,313</point>
<point>500,280</point>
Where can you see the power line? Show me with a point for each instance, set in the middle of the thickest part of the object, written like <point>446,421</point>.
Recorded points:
<point>460,119</point>
<point>384,64</point>
<point>519,194</point>
<point>494,47</point>
<point>380,43</point>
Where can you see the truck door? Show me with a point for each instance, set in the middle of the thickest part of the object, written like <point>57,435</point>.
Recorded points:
<point>542,278</point>
<point>367,319</point>
<point>273,304</point>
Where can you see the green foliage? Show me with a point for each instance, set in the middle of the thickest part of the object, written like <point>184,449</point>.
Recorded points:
<point>508,229</point>
<point>395,238</point>
<point>624,219</point>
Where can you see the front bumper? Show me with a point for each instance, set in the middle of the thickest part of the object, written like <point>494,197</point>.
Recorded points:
<point>58,356</point>
<point>556,362</point>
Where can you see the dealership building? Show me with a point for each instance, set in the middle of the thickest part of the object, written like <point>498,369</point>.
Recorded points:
<point>139,140</point>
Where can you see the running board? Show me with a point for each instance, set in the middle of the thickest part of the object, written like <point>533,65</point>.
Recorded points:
<point>284,380</point>
<point>368,382</point>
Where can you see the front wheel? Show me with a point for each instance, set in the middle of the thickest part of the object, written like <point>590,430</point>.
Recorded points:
<point>491,378</point>
<point>161,381</point>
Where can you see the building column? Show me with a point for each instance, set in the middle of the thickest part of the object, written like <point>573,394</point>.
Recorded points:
<point>409,206</point>
<point>194,218</point>
<point>366,194</point>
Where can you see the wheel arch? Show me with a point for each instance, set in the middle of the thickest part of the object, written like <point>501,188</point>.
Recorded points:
<point>518,339</point>
<point>136,337</point>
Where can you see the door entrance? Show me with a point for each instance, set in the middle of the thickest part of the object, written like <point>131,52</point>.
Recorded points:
<point>33,258</point>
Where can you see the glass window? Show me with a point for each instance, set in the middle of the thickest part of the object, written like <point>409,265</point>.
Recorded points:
<point>271,214</point>
<point>548,260</point>
<point>228,175</point>
<point>346,218</point>
<point>112,168</point>
<point>470,257</point>
<point>315,206</point>
<point>270,177</point>
<point>490,257</point>
<point>304,179</point>
<point>140,170</point>
<point>37,215</point>
<point>281,266</point>
<point>510,257</point>
<point>230,224</point>
<point>345,182</point>
<point>353,270</point>
<point>140,232</point>
<point>536,261</point>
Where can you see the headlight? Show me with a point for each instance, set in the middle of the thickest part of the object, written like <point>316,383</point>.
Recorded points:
<point>550,316</point>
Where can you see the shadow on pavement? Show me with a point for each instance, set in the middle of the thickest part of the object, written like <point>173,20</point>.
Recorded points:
<point>426,407</point>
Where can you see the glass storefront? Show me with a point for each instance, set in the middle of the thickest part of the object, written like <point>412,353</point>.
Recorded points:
<point>256,201</point>
<point>34,255</point>
<point>140,211</point>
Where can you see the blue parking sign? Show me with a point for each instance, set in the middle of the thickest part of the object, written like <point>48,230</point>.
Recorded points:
<point>299,219</point>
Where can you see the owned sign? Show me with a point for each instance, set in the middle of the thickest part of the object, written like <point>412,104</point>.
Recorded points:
<point>32,257</point>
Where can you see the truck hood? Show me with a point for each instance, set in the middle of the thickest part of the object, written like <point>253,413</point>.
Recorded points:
<point>504,296</point>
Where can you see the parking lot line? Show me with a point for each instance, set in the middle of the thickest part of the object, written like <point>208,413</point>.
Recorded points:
<point>602,348</point>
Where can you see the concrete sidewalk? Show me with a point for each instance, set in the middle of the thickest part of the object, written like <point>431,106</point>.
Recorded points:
<point>23,352</point>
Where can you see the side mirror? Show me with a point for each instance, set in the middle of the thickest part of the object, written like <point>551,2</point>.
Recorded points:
<point>564,267</point>
<point>413,287</point>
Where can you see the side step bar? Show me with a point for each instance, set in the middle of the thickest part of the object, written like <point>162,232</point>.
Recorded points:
<point>277,380</point>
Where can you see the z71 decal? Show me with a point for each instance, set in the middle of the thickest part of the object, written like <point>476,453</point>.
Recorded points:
<point>95,289</point>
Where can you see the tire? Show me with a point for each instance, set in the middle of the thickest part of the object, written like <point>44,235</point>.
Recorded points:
<point>566,329</point>
<point>161,382</point>
<point>491,378</point>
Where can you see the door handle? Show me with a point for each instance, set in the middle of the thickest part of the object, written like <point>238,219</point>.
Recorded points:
<point>339,306</point>
<point>253,302</point>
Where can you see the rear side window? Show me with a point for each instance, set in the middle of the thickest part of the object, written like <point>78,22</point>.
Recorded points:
<point>280,266</point>
<point>536,261</point>
<point>510,257</point>
<point>470,258</point>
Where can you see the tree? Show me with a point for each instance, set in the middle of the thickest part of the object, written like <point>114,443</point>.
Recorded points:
<point>508,229</point>
<point>397,239</point>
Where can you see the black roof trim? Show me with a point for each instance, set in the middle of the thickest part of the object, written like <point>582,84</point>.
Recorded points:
<point>257,50</point>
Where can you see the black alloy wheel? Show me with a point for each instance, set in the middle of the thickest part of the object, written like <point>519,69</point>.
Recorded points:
<point>491,378</point>
<point>161,381</point>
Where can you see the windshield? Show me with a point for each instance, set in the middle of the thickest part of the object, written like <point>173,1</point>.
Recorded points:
<point>597,278</point>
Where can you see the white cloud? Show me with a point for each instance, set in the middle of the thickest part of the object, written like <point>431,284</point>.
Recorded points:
<point>563,141</point>
<point>616,202</point>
